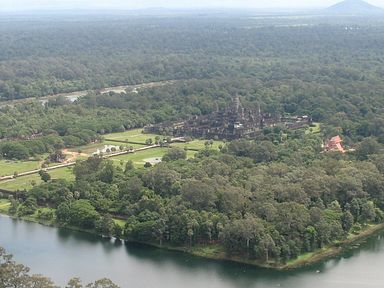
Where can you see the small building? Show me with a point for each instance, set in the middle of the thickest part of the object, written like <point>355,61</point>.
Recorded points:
<point>335,144</point>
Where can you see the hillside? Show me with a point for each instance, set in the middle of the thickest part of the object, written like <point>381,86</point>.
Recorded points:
<point>354,7</point>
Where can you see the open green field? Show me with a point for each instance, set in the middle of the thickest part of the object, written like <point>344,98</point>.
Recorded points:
<point>87,149</point>
<point>8,167</point>
<point>197,145</point>
<point>135,135</point>
<point>4,205</point>
<point>139,158</point>
<point>91,148</point>
<point>123,135</point>
<point>106,142</point>
<point>25,182</point>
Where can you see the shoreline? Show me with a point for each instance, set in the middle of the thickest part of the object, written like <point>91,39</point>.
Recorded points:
<point>335,249</point>
<point>217,253</point>
<point>315,257</point>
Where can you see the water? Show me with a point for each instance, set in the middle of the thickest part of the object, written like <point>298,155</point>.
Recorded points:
<point>62,254</point>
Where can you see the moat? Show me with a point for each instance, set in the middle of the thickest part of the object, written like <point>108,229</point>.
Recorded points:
<point>62,254</point>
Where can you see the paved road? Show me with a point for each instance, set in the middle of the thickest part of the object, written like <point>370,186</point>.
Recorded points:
<point>77,94</point>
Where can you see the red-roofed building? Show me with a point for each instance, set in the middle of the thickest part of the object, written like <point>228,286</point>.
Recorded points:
<point>335,144</point>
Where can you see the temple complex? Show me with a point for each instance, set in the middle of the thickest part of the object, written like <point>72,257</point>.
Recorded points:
<point>231,123</point>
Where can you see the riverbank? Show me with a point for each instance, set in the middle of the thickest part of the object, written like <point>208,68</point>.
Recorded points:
<point>4,207</point>
<point>334,249</point>
<point>217,252</point>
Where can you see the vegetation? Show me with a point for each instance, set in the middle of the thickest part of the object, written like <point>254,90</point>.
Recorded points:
<point>321,75</point>
<point>256,200</point>
<point>140,158</point>
<point>268,199</point>
<point>27,182</point>
<point>4,205</point>
<point>9,167</point>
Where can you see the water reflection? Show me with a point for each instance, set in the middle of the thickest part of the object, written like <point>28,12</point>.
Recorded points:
<point>62,254</point>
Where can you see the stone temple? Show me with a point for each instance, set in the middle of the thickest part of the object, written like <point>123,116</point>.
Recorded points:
<point>233,122</point>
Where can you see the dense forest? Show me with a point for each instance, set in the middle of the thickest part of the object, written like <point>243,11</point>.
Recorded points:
<point>68,55</point>
<point>271,198</point>
<point>257,199</point>
<point>332,72</point>
<point>31,129</point>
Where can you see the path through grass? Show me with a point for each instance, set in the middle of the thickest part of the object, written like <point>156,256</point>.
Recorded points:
<point>26,182</point>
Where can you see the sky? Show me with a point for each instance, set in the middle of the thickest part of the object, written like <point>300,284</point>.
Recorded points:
<point>9,5</point>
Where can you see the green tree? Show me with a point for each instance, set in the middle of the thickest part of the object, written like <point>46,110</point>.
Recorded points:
<point>83,214</point>
<point>367,147</point>
<point>175,154</point>
<point>105,226</point>
<point>200,195</point>
<point>28,207</point>
<point>368,212</point>
<point>129,166</point>
<point>63,212</point>
<point>347,221</point>
<point>107,172</point>
<point>45,177</point>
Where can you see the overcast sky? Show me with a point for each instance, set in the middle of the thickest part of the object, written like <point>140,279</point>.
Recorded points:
<point>138,4</point>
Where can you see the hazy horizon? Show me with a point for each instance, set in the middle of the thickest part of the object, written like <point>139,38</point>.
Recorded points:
<point>35,5</point>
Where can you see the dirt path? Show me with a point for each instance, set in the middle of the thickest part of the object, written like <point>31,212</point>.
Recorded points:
<point>70,162</point>
<point>73,156</point>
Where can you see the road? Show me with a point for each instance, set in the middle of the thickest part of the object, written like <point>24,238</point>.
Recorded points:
<point>77,94</point>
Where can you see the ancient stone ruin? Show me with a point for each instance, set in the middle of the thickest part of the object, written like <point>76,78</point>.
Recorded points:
<point>231,123</point>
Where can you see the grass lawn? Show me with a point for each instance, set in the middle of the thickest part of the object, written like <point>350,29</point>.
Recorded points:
<point>22,183</point>
<point>121,144</point>
<point>123,135</point>
<point>91,148</point>
<point>191,154</point>
<point>4,205</point>
<point>135,135</point>
<point>8,167</point>
<point>140,157</point>
<point>87,149</point>
<point>197,144</point>
<point>120,222</point>
<point>304,257</point>
<point>35,217</point>
<point>315,129</point>
<point>210,251</point>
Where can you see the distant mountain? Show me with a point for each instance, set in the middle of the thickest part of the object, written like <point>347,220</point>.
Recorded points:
<point>354,7</point>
